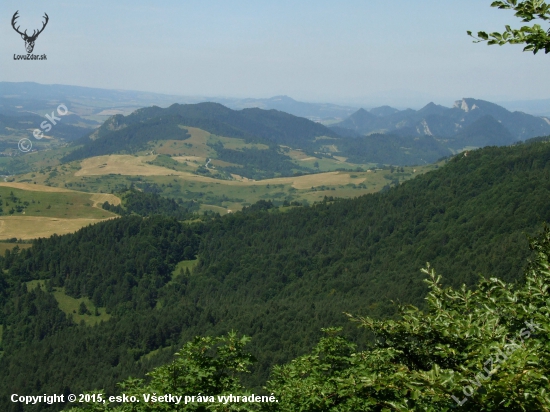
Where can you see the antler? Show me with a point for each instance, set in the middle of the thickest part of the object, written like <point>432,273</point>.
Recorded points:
<point>43,27</point>
<point>13,19</point>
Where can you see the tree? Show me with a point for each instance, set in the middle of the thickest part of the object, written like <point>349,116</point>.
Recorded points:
<point>203,369</point>
<point>83,310</point>
<point>534,37</point>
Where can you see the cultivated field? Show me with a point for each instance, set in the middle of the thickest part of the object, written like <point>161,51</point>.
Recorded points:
<point>121,165</point>
<point>173,169</point>
<point>30,211</point>
<point>32,227</point>
<point>33,188</point>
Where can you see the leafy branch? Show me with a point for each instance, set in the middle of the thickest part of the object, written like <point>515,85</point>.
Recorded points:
<point>534,37</point>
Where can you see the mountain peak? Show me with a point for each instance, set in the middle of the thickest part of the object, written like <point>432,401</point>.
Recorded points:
<point>469,104</point>
<point>282,98</point>
<point>466,104</point>
<point>432,108</point>
<point>383,111</point>
<point>362,114</point>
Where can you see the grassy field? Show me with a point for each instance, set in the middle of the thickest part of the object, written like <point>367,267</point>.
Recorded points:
<point>51,202</point>
<point>223,195</point>
<point>31,211</point>
<point>9,246</point>
<point>196,145</point>
<point>71,305</point>
<point>185,264</point>
<point>121,164</point>
<point>32,227</point>
<point>170,167</point>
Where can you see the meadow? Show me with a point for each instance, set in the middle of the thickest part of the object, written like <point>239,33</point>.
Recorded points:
<point>72,307</point>
<point>61,198</point>
<point>31,211</point>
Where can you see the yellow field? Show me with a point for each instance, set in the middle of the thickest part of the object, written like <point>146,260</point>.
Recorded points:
<point>133,165</point>
<point>340,158</point>
<point>65,213</point>
<point>34,188</point>
<point>32,227</point>
<point>308,181</point>
<point>100,198</point>
<point>121,164</point>
<point>198,139</point>
<point>196,145</point>
<point>197,159</point>
<point>9,246</point>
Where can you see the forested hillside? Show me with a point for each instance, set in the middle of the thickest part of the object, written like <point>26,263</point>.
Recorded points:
<point>278,277</point>
<point>137,131</point>
<point>132,132</point>
<point>149,204</point>
<point>419,362</point>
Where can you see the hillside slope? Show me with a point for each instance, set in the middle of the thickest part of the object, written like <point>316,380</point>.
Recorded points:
<point>154,123</point>
<point>278,277</point>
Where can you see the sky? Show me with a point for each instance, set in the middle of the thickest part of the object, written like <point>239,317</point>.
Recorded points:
<point>368,52</point>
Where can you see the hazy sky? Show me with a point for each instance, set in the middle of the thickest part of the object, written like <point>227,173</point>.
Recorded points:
<point>399,52</point>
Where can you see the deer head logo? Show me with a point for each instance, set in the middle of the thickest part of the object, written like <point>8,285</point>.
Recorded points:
<point>29,40</point>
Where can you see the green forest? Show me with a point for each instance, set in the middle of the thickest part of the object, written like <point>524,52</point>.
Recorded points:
<point>155,282</point>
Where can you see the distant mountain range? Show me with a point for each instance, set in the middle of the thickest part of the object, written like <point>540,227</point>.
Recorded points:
<point>538,107</point>
<point>276,129</point>
<point>311,111</point>
<point>380,135</point>
<point>40,98</point>
<point>16,98</point>
<point>469,122</point>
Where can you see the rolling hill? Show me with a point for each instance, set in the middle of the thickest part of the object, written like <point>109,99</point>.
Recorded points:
<point>252,125</point>
<point>279,131</point>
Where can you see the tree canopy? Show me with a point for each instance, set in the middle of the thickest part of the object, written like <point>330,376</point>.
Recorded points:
<point>483,350</point>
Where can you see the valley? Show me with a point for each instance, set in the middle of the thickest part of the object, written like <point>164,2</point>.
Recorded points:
<point>282,206</point>
<point>178,169</point>
<point>277,274</point>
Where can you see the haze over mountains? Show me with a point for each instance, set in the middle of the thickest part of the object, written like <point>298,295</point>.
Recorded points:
<point>469,122</point>
<point>28,96</point>
<point>381,135</point>
<point>14,94</point>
